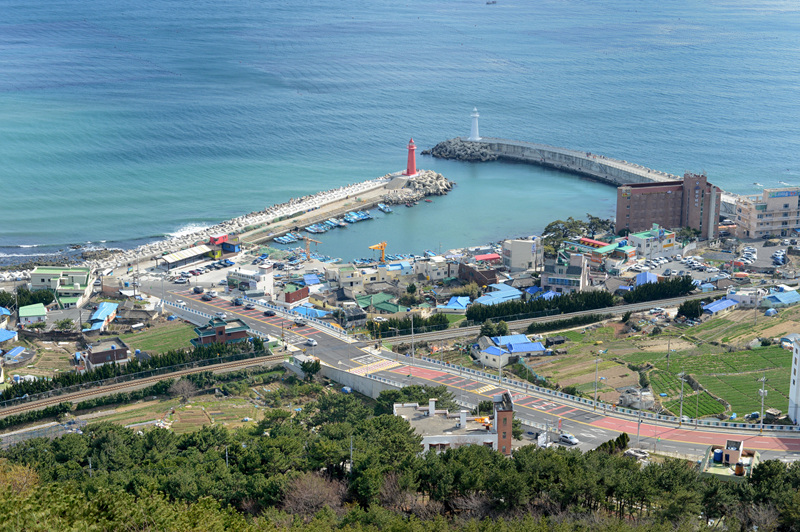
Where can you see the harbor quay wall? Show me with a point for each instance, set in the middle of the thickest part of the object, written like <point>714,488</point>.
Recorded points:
<point>614,172</point>
<point>598,167</point>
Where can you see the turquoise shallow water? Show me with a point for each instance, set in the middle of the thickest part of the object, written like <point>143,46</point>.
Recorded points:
<point>128,120</point>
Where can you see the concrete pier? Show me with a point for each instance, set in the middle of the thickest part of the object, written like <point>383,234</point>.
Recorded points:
<point>607,170</point>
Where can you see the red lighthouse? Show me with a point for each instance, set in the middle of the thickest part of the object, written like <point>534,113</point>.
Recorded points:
<point>411,168</point>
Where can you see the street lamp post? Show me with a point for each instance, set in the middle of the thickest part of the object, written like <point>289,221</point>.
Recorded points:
<point>680,416</point>
<point>763,393</point>
<point>697,407</point>
<point>639,423</point>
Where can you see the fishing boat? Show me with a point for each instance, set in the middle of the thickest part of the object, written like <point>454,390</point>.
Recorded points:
<point>758,184</point>
<point>384,208</point>
<point>409,205</point>
<point>428,201</point>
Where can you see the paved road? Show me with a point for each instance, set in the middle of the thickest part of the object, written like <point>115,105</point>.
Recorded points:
<point>592,428</point>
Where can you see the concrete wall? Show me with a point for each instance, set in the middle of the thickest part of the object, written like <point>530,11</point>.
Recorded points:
<point>358,383</point>
<point>611,171</point>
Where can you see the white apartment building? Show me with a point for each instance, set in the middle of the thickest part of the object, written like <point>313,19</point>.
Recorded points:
<point>522,254</point>
<point>434,268</point>
<point>774,212</point>
<point>262,280</point>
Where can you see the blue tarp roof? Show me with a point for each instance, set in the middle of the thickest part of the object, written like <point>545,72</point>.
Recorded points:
<point>500,287</point>
<point>104,310</point>
<point>456,303</point>
<point>707,285</point>
<point>646,277</point>
<point>784,298</point>
<point>549,295</point>
<point>771,312</point>
<point>96,326</point>
<point>509,339</point>
<point>311,312</point>
<point>533,289</point>
<point>625,288</point>
<point>496,351</point>
<point>4,311</point>
<point>14,352</point>
<point>311,279</point>
<point>527,347</point>
<point>716,306</point>
<point>6,335</point>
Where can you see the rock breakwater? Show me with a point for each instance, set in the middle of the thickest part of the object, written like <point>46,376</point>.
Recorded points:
<point>461,150</point>
<point>425,183</point>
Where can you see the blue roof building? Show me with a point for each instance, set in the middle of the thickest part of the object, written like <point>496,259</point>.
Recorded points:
<point>721,305</point>
<point>4,311</point>
<point>500,294</point>
<point>509,339</point>
<point>456,304</point>
<point>6,335</point>
<point>782,299</point>
<point>645,277</point>
<point>105,314</point>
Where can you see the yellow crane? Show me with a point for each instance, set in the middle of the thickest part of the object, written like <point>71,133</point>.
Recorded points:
<point>308,246</point>
<point>382,248</point>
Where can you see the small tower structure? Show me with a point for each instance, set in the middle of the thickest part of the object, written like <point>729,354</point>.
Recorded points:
<point>411,168</point>
<point>503,421</point>
<point>473,132</point>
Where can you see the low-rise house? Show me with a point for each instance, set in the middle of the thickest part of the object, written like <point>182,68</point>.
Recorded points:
<point>31,314</point>
<point>481,275</point>
<point>221,331</point>
<point>720,306</point>
<point>441,430</point>
<point>106,351</point>
<point>72,286</point>
<point>352,316</point>
<point>637,399</point>
<point>261,280</point>
<point>102,317</point>
<point>456,305</point>
<point>565,273</point>
<point>498,293</point>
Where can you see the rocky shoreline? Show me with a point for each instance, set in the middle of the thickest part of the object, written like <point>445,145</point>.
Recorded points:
<point>461,150</point>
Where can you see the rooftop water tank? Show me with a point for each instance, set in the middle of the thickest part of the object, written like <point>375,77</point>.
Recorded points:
<point>77,357</point>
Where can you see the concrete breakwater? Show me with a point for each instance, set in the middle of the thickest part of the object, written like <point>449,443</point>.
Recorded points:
<point>391,189</point>
<point>598,167</point>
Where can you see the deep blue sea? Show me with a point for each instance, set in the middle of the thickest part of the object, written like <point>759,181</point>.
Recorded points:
<point>126,120</point>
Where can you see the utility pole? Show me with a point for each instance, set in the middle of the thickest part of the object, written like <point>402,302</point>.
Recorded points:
<point>226,456</point>
<point>596,369</point>
<point>697,406</point>
<point>680,417</point>
<point>763,393</point>
<point>90,467</point>
<point>669,339</point>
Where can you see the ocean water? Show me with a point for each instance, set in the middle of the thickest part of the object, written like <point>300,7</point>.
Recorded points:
<point>127,120</point>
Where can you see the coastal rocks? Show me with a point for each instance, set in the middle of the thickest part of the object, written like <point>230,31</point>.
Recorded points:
<point>425,183</point>
<point>461,150</point>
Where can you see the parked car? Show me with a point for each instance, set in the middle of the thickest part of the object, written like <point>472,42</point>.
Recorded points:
<point>207,297</point>
<point>221,315</point>
<point>300,321</point>
<point>379,319</point>
<point>180,302</point>
<point>568,439</point>
<point>198,290</point>
<point>182,280</point>
<point>223,281</point>
<point>269,313</point>
<point>311,342</point>
<point>238,301</point>
<point>249,306</point>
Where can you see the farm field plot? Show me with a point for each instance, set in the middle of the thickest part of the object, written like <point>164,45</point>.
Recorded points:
<point>172,335</point>
<point>707,406</point>
<point>189,419</point>
<point>741,391</point>
<point>665,382</point>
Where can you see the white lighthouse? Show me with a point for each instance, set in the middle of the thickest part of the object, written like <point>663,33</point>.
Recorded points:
<point>473,133</point>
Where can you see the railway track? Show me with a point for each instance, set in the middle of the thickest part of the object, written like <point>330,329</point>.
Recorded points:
<point>113,388</point>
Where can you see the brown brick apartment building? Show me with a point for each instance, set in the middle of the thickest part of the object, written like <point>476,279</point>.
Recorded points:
<point>693,202</point>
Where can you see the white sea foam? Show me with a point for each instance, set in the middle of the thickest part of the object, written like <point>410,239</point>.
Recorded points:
<point>187,230</point>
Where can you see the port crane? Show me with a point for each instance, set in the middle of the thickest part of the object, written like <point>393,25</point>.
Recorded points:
<point>308,246</point>
<point>382,248</point>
